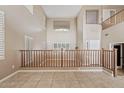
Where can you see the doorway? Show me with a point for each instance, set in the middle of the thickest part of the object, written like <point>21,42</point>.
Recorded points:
<point>118,47</point>
<point>120,58</point>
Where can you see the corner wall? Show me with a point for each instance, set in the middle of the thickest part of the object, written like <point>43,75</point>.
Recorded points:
<point>18,23</point>
<point>114,34</point>
<point>87,31</point>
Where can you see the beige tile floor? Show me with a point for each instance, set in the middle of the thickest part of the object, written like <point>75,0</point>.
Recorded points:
<point>120,72</point>
<point>62,80</point>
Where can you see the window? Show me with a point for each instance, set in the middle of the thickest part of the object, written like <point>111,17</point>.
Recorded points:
<point>92,17</point>
<point>112,12</point>
<point>61,45</point>
<point>2,37</point>
<point>55,45</point>
<point>61,25</point>
<point>112,19</point>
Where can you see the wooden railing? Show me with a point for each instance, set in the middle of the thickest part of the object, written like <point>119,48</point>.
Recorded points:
<point>113,20</point>
<point>69,58</point>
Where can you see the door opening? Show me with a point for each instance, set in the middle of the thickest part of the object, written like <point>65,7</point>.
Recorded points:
<point>120,58</point>
<point>118,47</point>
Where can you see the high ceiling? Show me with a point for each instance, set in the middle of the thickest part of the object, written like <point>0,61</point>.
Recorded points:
<point>61,11</point>
<point>114,6</point>
<point>71,11</point>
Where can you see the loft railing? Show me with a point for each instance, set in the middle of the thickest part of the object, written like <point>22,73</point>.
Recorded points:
<point>113,20</point>
<point>69,58</point>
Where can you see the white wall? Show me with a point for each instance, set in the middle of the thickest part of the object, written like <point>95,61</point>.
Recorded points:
<point>54,36</point>
<point>115,34</point>
<point>30,8</point>
<point>39,40</point>
<point>79,32</point>
<point>39,37</point>
<point>18,23</point>
<point>90,31</point>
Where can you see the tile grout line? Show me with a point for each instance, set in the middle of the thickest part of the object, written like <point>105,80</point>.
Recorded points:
<point>52,80</point>
<point>10,75</point>
<point>24,83</point>
<point>77,80</point>
<point>38,82</point>
<point>48,71</point>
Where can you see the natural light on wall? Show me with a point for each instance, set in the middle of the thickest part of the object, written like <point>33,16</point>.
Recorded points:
<point>2,36</point>
<point>30,8</point>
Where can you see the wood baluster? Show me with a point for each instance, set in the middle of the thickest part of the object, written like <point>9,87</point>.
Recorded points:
<point>34,59</point>
<point>39,58</point>
<point>98,58</point>
<point>44,58</point>
<point>50,57</point>
<point>67,58</point>
<point>104,58</point>
<point>56,58</point>
<point>82,56</point>
<point>29,58</point>
<point>109,60</point>
<point>85,57</point>
<point>75,63</point>
<point>22,58</point>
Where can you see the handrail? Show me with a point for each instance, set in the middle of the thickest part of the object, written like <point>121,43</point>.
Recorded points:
<point>70,58</point>
<point>113,20</point>
<point>114,14</point>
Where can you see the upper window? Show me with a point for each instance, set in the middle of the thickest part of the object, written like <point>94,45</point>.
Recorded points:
<point>92,17</point>
<point>61,25</point>
<point>112,19</point>
<point>2,37</point>
<point>112,12</point>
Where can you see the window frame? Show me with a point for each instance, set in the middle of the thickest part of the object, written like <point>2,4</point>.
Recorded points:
<point>3,56</point>
<point>60,45</point>
<point>61,29</point>
<point>97,16</point>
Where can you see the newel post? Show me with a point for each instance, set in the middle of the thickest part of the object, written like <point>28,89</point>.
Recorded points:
<point>115,62</point>
<point>77,56</point>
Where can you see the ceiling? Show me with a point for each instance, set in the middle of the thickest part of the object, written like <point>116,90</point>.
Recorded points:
<point>114,6</point>
<point>61,11</point>
<point>71,11</point>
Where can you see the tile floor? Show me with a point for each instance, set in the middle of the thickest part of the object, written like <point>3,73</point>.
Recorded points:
<point>120,72</point>
<point>62,80</point>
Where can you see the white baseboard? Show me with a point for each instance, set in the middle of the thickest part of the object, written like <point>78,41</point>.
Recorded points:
<point>49,70</point>
<point>88,69</point>
<point>91,69</point>
<point>108,72</point>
